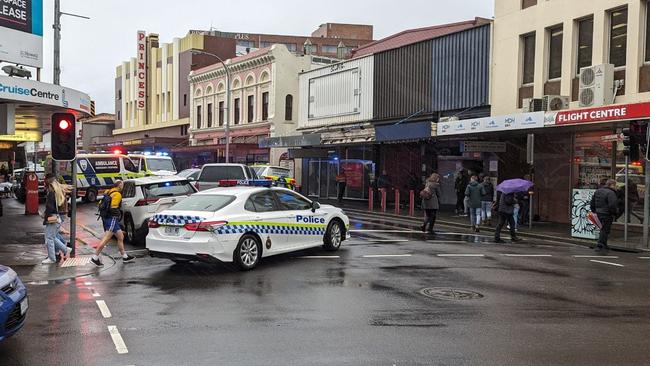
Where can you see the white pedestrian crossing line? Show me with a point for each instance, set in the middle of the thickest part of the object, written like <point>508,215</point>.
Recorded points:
<point>527,255</point>
<point>608,263</point>
<point>596,256</point>
<point>103,308</point>
<point>644,257</point>
<point>319,257</point>
<point>120,346</point>
<point>461,255</point>
<point>383,231</point>
<point>386,255</point>
<point>387,240</point>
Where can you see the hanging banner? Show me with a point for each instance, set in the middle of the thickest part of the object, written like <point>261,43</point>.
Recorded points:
<point>511,122</point>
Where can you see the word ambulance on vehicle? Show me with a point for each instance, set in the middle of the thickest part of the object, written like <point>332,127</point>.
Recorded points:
<point>243,222</point>
<point>98,172</point>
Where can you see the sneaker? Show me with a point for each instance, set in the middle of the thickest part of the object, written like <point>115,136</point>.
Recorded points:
<point>47,261</point>
<point>128,259</point>
<point>97,262</point>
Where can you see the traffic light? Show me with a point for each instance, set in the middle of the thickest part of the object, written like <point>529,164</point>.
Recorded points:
<point>631,143</point>
<point>64,137</point>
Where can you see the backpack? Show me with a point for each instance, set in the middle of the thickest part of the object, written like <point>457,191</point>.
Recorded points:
<point>104,207</point>
<point>426,194</point>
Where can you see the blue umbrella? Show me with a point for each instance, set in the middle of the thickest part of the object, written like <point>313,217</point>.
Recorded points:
<point>514,186</point>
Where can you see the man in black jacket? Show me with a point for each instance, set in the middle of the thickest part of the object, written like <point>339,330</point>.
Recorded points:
<point>605,204</point>
<point>506,210</point>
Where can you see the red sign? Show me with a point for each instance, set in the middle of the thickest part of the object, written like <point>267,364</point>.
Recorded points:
<point>603,114</point>
<point>353,174</point>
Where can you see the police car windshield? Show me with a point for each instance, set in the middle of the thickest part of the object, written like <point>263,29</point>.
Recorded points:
<point>203,202</point>
<point>160,164</point>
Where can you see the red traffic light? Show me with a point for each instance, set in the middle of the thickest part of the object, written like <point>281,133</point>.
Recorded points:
<point>64,125</point>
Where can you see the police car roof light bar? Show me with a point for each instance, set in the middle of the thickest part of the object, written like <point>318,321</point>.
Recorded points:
<point>227,183</point>
<point>260,183</point>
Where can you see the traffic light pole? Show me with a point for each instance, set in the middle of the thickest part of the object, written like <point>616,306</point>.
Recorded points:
<point>73,209</point>
<point>627,190</point>
<point>646,205</point>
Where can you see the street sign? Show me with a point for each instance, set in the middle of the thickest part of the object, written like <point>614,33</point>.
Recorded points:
<point>618,137</point>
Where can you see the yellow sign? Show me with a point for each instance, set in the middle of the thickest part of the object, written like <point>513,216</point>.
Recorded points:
<point>22,136</point>
<point>6,145</point>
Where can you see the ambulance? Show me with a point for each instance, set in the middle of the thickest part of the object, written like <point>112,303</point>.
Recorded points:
<point>154,164</point>
<point>98,172</point>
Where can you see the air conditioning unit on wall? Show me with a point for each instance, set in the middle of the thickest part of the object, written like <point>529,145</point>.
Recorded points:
<point>596,85</point>
<point>554,103</point>
<point>532,105</point>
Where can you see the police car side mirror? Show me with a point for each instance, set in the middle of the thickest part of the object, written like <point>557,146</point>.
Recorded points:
<point>314,206</point>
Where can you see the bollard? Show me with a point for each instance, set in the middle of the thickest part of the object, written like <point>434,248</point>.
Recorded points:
<point>371,199</point>
<point>411,203</point>
<point>383,199</point>
<point>397,202</point>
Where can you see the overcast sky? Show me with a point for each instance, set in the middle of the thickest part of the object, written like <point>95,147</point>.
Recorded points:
<point>90,49</point>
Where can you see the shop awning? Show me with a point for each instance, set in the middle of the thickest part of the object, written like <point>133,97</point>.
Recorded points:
<point>248,148</point>
<point>404,131</point>
<point>313,139</point>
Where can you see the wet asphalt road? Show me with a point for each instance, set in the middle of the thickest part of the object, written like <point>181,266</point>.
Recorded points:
<point>542,304</point>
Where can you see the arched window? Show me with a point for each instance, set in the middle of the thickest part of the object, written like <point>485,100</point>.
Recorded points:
<point>288,107</point>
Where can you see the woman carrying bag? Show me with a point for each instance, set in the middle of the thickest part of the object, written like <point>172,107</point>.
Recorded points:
<point>430,202</point>
<point>55,199</point>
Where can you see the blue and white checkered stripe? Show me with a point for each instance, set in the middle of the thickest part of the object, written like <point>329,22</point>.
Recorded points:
<point>271,229</point>
<point>176,219</point>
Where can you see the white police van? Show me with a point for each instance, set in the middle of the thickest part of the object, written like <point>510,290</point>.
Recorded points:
<point>243,224</point>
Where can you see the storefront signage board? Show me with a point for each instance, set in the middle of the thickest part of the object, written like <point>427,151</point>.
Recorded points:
<point>580,226</point>
<point>601,114</point>
<point>521,121</point>
<point>21,32</point>
<point>483,146</point>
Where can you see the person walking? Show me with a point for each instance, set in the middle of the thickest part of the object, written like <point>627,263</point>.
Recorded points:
<point>341,183</point>
<point>431,202</point>
<point>460,185</point>
<point>506,210</point>
<point>604,204</point>
<point>474,193</point>
<point>111,222</point>
<point>54,199</point>
<point>486,201</point>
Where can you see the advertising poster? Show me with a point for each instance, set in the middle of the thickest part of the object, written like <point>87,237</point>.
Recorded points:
<point>581,227</point>
<point>21,32</point>
<point>353,174</point>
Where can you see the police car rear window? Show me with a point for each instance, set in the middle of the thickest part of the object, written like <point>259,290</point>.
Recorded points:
<point>204,203</point>
<point>217,173</point>
<point>168,189</point>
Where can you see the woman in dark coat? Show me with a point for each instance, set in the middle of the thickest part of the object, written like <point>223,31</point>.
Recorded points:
<point>431,202</point>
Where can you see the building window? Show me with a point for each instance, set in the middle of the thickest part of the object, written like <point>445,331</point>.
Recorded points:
<point>310,49</point>
<point>245,44</point>
<point>528,3</point>
<point>328,48</point>
<point>184,130</point>
<point>251,108</point>
<point>647,32</point>
<point>184,100</point>
<point>585,42</point>
<point>237,110</point>
<point>288,107</point>
<point>198,117</point>
<point>618,37</point>
<point>209,115</point>
<point>528,68</point>
<point>119,115</point>
<point>292,47</point>
<point>555,52</point>
<point>119,94</point>
<point>265,106</point>
<point>265,44</point>
<point>221,109</point>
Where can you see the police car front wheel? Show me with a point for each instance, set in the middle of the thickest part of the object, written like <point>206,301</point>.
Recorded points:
<point>333,236</point>
<point>248,252</point>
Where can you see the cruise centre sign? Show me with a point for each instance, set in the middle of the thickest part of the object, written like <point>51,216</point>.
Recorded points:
<point>521,121</point>
<point>21,32</point>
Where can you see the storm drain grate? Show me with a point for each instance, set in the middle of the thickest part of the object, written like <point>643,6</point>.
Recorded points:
<point>444,293</point>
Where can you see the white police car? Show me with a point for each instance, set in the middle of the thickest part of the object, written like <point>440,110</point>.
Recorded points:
<point>244,223</point>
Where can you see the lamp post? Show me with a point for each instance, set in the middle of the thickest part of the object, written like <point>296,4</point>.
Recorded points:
<point>227,122</point>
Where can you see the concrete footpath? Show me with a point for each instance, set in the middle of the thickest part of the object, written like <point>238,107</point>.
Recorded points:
<point>22,247</point>
<point>540,230</point>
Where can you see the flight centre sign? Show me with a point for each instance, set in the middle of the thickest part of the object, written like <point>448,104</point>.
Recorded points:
<point>21,32</point>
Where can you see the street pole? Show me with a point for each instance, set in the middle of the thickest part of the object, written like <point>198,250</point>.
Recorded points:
<point>57,42</point>
<point>627,190</point>
<point>73,209</point>
<point>646,205</point>
<point>227,133</point>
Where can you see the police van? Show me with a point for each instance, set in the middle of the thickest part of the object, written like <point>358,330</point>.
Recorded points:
<point>98,172</point>
<point>158,164</point>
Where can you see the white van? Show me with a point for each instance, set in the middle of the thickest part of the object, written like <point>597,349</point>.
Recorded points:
<point>160,165</point>
<point>98,172</point>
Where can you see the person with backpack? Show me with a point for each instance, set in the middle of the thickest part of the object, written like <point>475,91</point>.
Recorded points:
<point>109,212</point>
<point>486,201</point>
<point>506,210</point>
<point>430,202</point>
<point>474,192</point>
<point>604,204</point>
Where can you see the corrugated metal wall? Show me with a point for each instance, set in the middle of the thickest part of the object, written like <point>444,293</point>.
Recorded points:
<point>461,69</point>
<point>403,81</point>
<point>337,94</point>
<point>446,73</point>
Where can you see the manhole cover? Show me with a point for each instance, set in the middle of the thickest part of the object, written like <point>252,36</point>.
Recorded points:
<point>444,293</point>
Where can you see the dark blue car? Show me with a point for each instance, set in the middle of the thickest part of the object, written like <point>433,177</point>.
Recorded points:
<point>13,303</point>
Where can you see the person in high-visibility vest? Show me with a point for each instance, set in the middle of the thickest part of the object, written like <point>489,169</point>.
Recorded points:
<point>341,182</point>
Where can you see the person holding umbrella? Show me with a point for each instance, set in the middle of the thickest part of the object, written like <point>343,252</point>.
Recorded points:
<point>506,206</point>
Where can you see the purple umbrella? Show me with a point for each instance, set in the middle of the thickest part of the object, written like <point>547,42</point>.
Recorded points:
<point>514,186</point>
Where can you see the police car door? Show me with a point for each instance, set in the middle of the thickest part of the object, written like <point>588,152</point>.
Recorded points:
<point>305,227</point>
<point>266,221</point>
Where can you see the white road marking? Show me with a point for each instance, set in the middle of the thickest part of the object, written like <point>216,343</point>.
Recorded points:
<point>88,283</point>
<point>95,293</point>
<point>644,257</point>
<point>319,257</point>
<point>103,308</point>
<point>609,263</point>
<point>383,231</point>
<point>461,255</point>
<point>527,255</point>
<point>386,255</point>
<point>386,240</point>
<point>120,346</point>
<point>595,256</point>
